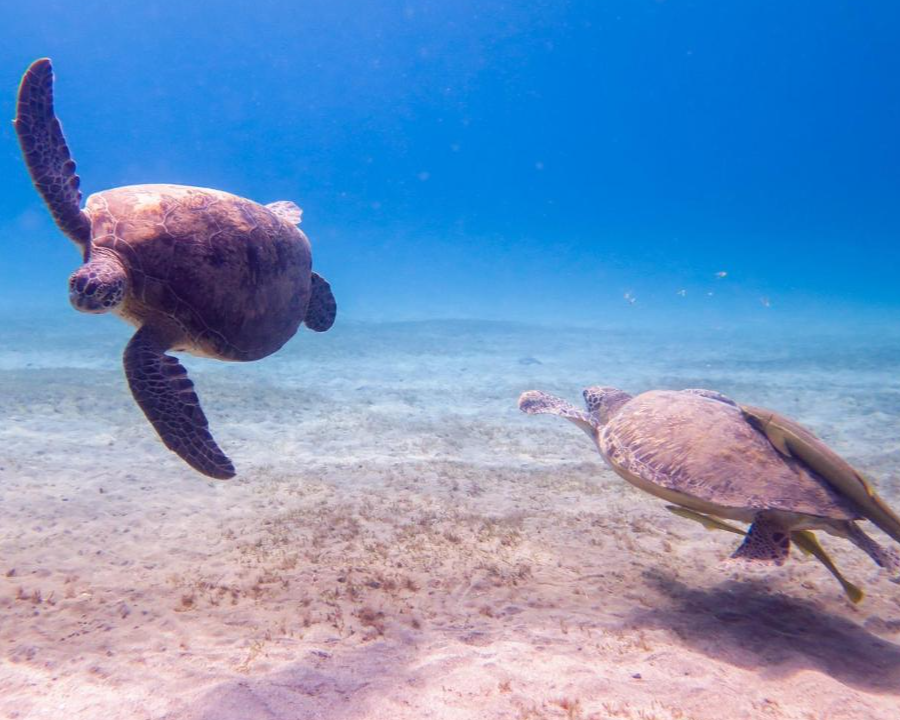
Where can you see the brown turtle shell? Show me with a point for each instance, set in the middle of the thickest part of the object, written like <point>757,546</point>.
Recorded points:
<point>686,447</point>
<point>219,275</point>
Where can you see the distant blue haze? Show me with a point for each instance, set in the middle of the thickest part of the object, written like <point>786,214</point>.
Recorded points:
<point>531,160</point>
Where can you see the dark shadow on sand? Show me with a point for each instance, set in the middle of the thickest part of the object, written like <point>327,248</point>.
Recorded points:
<point>336,684</point>
<point>744,624</point>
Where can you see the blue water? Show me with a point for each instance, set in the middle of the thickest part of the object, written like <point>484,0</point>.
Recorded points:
<point>528,161</point>
<point>524,194</point>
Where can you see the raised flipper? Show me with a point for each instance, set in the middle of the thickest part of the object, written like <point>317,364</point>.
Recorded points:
<point>803,539</point>
<point>793,440</point>
<point>287,210</point>
<point>322,307</point>
<point>47,155</point>
<point>535,402</point>
<point>164,392</point>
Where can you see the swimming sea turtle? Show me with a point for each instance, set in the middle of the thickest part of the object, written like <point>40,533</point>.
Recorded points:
<point>196,270</point>
<point>714,459</point>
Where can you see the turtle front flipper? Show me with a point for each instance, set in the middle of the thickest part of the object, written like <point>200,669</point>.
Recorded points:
<point>164,392</point>
<point>47,155</point>
<point>768,540</point>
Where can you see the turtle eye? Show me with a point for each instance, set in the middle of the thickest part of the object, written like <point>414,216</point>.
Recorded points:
<point>77,283</point>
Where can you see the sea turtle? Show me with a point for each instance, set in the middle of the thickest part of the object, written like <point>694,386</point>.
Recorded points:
<point>196,270</point>
<point>714,459</point>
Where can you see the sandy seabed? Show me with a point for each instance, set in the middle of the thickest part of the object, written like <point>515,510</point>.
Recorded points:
<point>400,542</point>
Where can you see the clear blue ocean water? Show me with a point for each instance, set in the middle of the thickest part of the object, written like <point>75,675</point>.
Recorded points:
<point>552,161</point>
<point>505,195</point>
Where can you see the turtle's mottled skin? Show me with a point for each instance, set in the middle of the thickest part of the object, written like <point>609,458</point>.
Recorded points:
<point>195,270</point>
<point>707,455</point>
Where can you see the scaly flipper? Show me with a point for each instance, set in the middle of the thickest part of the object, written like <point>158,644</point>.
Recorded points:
<point>47,155</point>
<point>322,308</point>
<point>886,558</point>
<point>164,392</point>
<point>803,539</point>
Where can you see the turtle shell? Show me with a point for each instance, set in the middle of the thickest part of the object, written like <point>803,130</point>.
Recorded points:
<point>701,452</point>
<point>222,276</point>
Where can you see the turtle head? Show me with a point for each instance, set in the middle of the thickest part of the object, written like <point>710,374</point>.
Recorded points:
<point>604,402</point>
<point>98,286</point>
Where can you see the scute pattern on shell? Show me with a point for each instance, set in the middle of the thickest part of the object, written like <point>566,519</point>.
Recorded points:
<point>225,276</point>
<point>704,448</point>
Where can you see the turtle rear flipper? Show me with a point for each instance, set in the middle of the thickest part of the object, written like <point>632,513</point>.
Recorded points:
<point>886,558</point>
<point>47,155</point>
<point>322,308</point>
<point>161,387</point>
<point>803,539</point>
<point>791,439</point>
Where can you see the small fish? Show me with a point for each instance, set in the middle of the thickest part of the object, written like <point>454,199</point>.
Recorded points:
<point>681,293</point>
<point>721,274</point>
<point>630,298</point>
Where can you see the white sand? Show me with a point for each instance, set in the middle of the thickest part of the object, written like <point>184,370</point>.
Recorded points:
<point>401,543</point>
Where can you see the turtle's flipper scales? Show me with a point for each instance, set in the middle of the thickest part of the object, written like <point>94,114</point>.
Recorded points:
<point>803,539</point>
<point>322,307</point>
<point>46,153</point>
<point>886,558</point>
<point>164,392</point>
<point>767,541</point>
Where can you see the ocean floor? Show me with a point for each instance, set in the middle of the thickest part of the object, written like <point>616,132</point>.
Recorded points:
<point>401,542</point>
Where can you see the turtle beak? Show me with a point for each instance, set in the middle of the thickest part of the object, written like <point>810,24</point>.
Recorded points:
<point>84,294</point>
<point>86,304</point>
